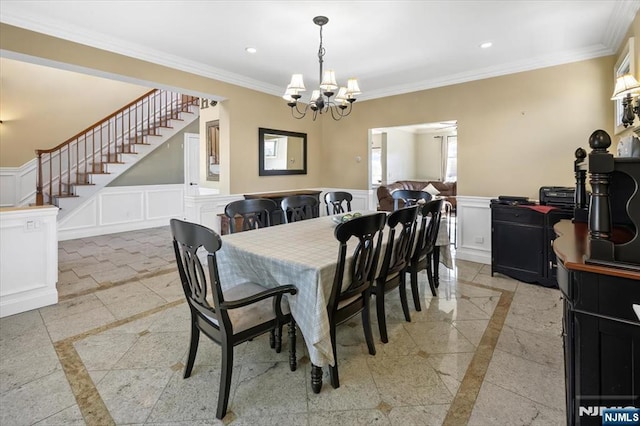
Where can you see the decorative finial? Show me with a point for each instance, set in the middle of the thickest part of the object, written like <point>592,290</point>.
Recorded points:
<point>599,141</point>
<point>581,153</point>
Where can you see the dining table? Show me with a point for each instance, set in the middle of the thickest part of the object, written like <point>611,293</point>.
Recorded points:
<point>305,254</point>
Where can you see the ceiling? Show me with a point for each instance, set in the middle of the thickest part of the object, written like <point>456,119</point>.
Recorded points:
<point>393,47</point>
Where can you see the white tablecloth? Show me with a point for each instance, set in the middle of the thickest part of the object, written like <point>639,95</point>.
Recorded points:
<point>302,253</point>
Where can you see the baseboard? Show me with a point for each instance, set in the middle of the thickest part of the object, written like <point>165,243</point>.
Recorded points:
<point>478,256</point>
<point>92,231</point>
<point>27,300</point>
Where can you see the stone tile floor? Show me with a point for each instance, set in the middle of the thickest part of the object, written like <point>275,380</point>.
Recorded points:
<point>485,351</point>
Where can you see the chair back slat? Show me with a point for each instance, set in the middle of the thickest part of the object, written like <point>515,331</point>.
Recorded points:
<point>429,226</point>
<point>408,197</point>
<point>399,247</point>
<point>253,214</point>
<point>368,231</point>
<point>189,240</point>
<point>338,202</point>
<point>299,207</point>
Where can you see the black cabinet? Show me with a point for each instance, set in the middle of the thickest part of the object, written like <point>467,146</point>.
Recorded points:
<point>521,242</point>
<point>601,335</point>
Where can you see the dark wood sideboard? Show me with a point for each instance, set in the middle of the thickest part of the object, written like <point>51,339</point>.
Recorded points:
<point>277,218</point>
<point>599,277</point>
<point>521,239</point>
<point>601,330</point>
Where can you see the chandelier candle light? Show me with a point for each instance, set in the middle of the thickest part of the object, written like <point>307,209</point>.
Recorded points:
<point>321,101</point>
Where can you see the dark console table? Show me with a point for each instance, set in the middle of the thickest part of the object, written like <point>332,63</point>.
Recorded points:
<point>599,277</point>
<point>277,218</point>
<point>521,238</point>
<point>601,330</point>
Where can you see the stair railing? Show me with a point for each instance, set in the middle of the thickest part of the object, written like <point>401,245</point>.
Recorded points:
<point>75,160</point>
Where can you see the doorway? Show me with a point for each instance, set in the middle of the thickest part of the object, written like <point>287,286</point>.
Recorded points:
<point>425,151</point>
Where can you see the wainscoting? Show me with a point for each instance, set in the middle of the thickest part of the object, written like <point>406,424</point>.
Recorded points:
<point>18,184</point>
<point>123,208</point>
<point>474,229</point>
<point>29,258</point>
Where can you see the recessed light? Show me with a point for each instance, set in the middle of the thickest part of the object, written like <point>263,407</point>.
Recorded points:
<point>486,45</point>
<point>251,50</point>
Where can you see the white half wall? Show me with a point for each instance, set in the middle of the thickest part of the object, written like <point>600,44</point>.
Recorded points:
<point>474,229</point>
<point>18,184</point>
<point>29,258</point>
<point>124,208</point>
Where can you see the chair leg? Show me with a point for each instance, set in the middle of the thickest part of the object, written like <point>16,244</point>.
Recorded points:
<point>193,348</point>
<point>403,297</point>
<point>316,378</point>
<point>272,338</point>
<point>366,324</point>
<point>415,290</point>
<point>382,320</point>
<point>225,379</point>
<point>436,266</point>
<point>293,364</point>
<point>333,369</point>
<point>278,338</point>
<point>430,276</point>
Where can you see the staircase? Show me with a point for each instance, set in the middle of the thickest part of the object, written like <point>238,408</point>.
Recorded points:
<point>72,172</point>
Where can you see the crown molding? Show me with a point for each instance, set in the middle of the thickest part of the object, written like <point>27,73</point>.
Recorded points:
<point>115,45</point>
<point>617,27</point>
<point>489,72</point>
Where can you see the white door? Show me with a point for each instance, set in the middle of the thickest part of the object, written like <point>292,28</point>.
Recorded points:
<point>191,163</point>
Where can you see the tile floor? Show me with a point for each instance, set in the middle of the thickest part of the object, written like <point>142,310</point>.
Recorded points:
<point>486,351</point>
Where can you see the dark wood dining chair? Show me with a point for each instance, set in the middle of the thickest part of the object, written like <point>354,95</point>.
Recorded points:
<point>299,207</point>
<point>422,257</point>
<point>228,317</point>
<point>250,214</point>
<point>338,202</point>
<point>346,302</point>
<point>408,197</point>
<point>395,263</point>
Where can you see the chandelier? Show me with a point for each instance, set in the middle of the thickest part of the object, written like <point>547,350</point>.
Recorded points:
<point>321,101</point>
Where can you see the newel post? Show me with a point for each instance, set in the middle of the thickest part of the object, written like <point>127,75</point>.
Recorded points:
<point>601,166</point>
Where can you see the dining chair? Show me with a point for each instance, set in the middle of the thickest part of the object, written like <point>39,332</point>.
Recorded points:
<point>422,256</point>
<point>228,317</point>
<point>334,202</point>
<point>408,197</point>
<point>299,207</point>
<point>395,263</point>
<point>251,214</point>
<point>354,298</point>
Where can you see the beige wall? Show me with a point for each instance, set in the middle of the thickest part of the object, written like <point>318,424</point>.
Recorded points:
<point>400,155</point>
<point>39,113</point>
<point>241,113</point>
<point>515,133</point>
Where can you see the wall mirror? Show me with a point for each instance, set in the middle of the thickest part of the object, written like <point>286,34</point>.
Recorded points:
<point>213,150</point>
<point>282,152</point>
